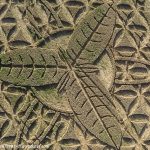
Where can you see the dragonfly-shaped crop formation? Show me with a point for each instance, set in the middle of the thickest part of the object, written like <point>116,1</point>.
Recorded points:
<point>74,72</point>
